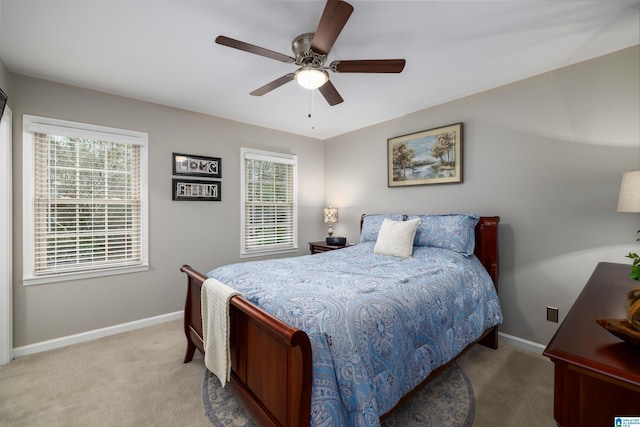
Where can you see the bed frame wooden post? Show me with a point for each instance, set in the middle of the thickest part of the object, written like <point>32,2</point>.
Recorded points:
<point>193,313</point>
<point>487,252</point>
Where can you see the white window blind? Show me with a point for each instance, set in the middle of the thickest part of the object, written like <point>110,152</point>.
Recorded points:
<point>88,196</point>
<point>269,207</point>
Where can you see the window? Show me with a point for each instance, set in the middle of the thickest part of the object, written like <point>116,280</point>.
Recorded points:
<point>85,200</point>
<point>269,208</point>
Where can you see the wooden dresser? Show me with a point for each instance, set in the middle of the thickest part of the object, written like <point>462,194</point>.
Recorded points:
<point>597,375</point>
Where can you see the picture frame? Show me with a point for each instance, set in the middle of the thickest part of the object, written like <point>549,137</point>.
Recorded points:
<point>432,156</point>
<point>194,165</point>
<point>196,190</point>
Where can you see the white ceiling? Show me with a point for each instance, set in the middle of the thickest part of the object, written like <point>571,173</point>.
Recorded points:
<point>163,51</point>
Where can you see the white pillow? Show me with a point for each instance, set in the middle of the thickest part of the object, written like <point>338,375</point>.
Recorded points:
<point>396,238</point>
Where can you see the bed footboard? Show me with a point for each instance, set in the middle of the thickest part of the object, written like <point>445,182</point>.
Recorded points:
<point>270,360</point>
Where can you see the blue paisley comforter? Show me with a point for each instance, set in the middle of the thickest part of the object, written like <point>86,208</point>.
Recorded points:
<point>378,325</point>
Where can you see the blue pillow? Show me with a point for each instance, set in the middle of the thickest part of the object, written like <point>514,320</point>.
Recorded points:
<point>455,232</point>
<point>371,226</point>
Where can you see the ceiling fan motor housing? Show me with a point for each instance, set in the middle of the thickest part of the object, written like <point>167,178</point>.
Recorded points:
<point>305,56</point>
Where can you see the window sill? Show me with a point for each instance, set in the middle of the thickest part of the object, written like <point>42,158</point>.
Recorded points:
<point>268,252</point>
<point>41,280</point>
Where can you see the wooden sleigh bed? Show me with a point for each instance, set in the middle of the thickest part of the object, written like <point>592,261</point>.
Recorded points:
<point>271,369</point>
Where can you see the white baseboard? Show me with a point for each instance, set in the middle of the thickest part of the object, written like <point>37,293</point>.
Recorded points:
<point>95,334</point>
<point>521,343</point>
<point>150,321</point>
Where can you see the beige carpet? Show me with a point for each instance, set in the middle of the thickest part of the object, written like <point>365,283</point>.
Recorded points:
<point>138,379</point>
<point>513,387</point>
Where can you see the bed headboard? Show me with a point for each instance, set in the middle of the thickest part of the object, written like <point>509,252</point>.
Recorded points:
<point>486,248</point>
<point>487,245</point>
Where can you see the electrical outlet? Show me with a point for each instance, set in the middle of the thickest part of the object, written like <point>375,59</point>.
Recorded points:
<point>552,314</point>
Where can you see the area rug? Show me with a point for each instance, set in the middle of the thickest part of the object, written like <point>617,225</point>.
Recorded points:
<point>447,401</point>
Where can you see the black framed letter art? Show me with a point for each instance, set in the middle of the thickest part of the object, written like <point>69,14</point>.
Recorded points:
<point>192,165</point>
<point>196,190</point>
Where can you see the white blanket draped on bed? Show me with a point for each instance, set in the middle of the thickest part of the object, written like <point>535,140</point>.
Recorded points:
<point>215,298</point>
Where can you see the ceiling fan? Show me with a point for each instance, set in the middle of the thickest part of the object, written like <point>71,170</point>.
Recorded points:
<point>311,50</point>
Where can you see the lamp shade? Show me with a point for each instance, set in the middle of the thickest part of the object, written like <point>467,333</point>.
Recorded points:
<point>330,215</point>
<point>629,200</point>
<point>311,78</point>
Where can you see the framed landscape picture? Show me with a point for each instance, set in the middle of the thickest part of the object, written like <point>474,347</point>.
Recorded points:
<point>192,165</point>
<point>432,156</point>
<point>196,190</point>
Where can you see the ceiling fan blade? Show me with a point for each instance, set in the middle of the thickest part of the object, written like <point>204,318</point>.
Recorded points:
<point>237,44</point>
<point>335,15</point>
<point>368,66</point>
<point>330,93</point>
<point>273,85</point>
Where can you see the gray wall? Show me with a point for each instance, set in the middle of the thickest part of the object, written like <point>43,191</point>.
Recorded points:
<point>5,83</point>
<point>202,234</point>
<point>545,154</point>
<point>4,79</point>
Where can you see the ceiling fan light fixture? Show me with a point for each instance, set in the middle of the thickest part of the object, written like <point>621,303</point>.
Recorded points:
<point>311,78</point>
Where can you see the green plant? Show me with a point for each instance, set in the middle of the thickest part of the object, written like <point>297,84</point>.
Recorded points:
<point>635,267</point>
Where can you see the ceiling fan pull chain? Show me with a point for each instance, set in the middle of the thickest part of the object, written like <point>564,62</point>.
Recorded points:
<point>311,103</point>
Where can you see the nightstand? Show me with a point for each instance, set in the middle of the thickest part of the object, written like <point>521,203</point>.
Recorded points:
<point>317,247</point>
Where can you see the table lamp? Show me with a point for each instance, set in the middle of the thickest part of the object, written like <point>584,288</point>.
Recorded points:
<point>330,216</point>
